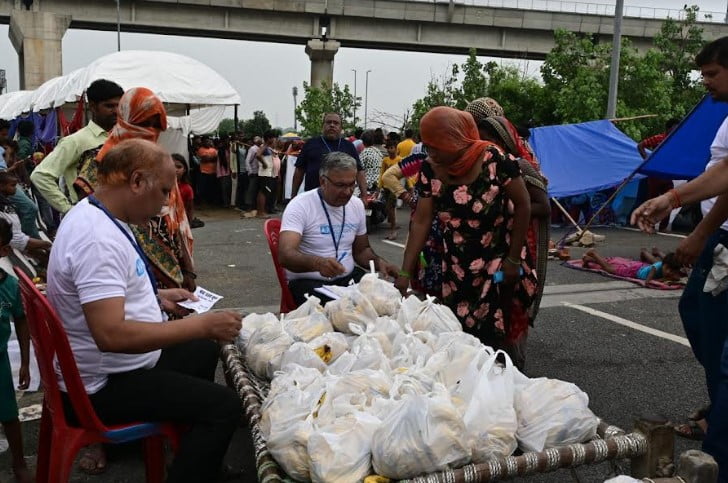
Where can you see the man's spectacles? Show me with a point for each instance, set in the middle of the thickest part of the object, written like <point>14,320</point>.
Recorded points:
<point>341,186</point>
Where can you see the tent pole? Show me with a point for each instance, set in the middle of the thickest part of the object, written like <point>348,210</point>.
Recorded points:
<point>566,213</point>
<point>236,118</point>
<point>610,199</point>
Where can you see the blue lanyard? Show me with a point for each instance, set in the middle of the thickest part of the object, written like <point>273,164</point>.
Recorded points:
<point>94,201</point>
<point>326,143</point>
<point>331,226</point>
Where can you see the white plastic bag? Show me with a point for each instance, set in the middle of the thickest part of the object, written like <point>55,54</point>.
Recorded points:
<point>369,354</point>
<point>383,295</point>
<point>251,323</point>
<point>341,452</point>
<point>409,348</point>
<point>303,355</point>
<point>296,377</point>
<point>265,348</point>
<point>423,434</point>
<point>308,327</point>
<point>351,308</point>
<point>553,413</point>
<point>329,346</point>
<point>311,306</point>
<point>488,413</point>
<point>371,333</point>
<point>409,310</point>
<point>387,326</point>
<point>289,447</point>
<point>436,318</point>
<point>342,365</point>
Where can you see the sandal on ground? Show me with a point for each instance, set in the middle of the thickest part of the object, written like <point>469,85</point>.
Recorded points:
<point>689,430</point>
<point>93,460</point>
<point>699,414</point>
<point>391,236</point>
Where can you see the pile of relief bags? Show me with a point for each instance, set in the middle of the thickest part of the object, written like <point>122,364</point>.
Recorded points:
<point>376,384</point>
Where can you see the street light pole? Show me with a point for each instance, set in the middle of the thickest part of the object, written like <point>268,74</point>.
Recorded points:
<point>295,121</point>
<point>614,67</point>
<point>366,99</point>
<point>354,71</point>
<point>118,25</point>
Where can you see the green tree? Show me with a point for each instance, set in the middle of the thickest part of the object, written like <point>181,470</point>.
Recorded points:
<point>439,93</point>
<point>317,101</point>
<point>256,126</point>
<point>226,127</point>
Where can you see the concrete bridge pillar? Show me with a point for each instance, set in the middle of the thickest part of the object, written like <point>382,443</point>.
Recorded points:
<point>322,61</point>
<point>36,37</point>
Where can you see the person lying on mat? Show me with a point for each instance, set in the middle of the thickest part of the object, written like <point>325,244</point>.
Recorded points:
<point>650,266</point>
<point>136,365</point>
<point>324,233</point>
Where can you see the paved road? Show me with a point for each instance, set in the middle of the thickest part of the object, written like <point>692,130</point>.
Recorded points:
<point>622,344</point>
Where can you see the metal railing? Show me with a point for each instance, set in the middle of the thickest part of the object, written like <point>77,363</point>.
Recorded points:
<point>589,8</point>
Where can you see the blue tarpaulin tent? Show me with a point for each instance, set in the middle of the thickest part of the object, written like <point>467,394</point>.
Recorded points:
<point>579,158</point>
<point>686,151</point>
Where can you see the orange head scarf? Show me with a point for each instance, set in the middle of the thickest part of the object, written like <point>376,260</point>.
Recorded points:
<point>136,106</point>
<point>454,132</point>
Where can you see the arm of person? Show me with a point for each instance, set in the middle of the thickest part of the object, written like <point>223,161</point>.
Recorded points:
<point>23,335</point>
<point>540,205</point>
<point>363,253</point>
<point>298,175</point>
<point>711,183</point>
<point>390,180</point>
<point>689,248</point>
<point>641,149</point>
<point>518,194</point>
<point>260,155</point>
<point>46,175</point>
<point>361,180</point>
<point>293,259</point>
<point>113,333</point>
<point>419,231</point>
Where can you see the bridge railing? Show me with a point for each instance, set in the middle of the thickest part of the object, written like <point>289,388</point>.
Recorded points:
<point>590,8</point>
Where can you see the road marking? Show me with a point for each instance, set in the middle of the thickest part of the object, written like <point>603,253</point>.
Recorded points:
<point>393,243</point>
<point>630,324</point>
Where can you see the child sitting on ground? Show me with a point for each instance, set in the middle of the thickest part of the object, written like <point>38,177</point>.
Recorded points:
<point>651,266</point>
<point>12,307</point>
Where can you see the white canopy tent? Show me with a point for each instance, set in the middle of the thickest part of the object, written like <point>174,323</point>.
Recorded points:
<point>185,86</point>
<point>14,104</point>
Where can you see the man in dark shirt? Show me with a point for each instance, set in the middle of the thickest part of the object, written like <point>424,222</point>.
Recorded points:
<point>313,152</point>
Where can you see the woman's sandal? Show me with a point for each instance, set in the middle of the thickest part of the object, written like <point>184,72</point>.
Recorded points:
<point>689,430</point>
<point>93,460</point>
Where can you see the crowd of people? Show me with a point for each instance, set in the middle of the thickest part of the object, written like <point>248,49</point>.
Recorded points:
<point>119,210</point>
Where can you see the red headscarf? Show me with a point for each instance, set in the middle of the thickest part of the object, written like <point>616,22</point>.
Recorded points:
<point>136,106</point>
<point>453,132</point>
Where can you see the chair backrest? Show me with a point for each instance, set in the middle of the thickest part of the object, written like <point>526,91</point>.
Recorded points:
<point>51,344</point>
<point>272,229</point>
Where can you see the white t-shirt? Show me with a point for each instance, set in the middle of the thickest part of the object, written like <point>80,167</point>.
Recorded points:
<point>305,216</point>
<point>718,152</point>
<point>93,260</point>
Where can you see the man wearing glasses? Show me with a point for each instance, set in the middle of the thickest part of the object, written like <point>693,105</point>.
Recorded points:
<point>313,152</point>
<point>323,233</point>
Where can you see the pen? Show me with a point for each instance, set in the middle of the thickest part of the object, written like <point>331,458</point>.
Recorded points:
<point>341,257</point>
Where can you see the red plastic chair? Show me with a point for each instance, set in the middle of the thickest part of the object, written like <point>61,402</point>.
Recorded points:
<point>272,229</point>
<point>59,442</point>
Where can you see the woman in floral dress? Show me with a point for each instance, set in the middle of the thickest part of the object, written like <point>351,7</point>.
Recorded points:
<point>484,211</point>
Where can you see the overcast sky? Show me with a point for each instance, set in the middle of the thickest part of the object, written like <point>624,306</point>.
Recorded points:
<point>396,81</point>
